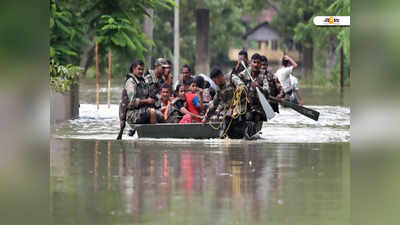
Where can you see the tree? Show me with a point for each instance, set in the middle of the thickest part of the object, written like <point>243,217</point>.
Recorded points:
<point>75,26</point>
<point>295,19</point>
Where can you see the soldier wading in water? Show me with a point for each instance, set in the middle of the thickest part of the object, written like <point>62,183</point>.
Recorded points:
<point>228,106</point>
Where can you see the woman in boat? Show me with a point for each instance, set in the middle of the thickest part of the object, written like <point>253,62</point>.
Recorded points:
<point>177,108</point>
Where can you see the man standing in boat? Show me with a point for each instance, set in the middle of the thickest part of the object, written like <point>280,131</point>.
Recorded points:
<point>140,109</point>
<point>155,78</point>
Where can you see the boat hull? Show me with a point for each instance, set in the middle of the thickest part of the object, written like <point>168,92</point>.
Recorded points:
<point>174,130</point>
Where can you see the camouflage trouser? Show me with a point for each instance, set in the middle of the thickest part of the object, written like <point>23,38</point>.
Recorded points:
<point>174,117</point>
<point>142,116</point>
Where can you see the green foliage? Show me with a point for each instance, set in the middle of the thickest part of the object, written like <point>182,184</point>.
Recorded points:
<point>296,20</point>
<point>66,36</point>
<point>63,77</point>
<point>76,25</point>
<point>226,29</point>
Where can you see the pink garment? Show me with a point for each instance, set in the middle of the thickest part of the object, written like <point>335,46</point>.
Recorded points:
<point>187,119</point>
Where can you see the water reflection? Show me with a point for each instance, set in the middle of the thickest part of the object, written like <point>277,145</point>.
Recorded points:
<point>107,182</point>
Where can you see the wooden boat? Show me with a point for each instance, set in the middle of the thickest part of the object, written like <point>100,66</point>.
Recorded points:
<point>175,130</point>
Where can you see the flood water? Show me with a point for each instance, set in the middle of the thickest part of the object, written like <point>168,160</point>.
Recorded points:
<point>298,173</point>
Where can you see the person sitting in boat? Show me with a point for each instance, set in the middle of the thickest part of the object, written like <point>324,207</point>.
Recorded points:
<point>162,104</point>
<point>187,76</point>
<point>177,108</point>
<point>167,73</point>
<point>194,101</point>
<point>141,108</point>
<point>155,78</point>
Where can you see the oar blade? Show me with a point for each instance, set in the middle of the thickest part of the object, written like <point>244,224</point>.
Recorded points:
<point>310,113</point>
<point>269,112</point>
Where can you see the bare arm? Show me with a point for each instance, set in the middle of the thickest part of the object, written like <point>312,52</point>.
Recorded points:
<point>186,112</point>
<point>299,97</point>
<point>294,64</point>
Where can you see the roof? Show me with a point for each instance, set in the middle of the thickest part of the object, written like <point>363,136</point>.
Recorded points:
<point>266,15</point>
<point>262,32</point>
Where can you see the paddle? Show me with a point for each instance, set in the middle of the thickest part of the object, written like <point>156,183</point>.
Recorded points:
<point>310,113</point>
<point>269,112</point>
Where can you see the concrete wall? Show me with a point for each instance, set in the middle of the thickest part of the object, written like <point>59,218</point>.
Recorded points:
<point>64,106</point>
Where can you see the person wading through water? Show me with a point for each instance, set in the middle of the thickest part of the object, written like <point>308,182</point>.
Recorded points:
<point>228,106</point>
<point>137,106</point>
<point>255,114</point>
<point>274,86</point>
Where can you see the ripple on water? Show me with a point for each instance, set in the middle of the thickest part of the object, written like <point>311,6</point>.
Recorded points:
<point>288,126</point>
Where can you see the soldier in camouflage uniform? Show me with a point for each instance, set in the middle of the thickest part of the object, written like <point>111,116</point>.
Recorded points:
<point>274,86</point>
<point>221,106</point>
<point>140,109</point>
<point>255,114</point>
<point>155,78</point>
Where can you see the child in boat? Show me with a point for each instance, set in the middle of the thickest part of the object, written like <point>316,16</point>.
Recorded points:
<point>194,101</point>
<point>177,108</point>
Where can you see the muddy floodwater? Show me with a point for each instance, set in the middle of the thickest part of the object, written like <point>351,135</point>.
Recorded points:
<point>297,173</point>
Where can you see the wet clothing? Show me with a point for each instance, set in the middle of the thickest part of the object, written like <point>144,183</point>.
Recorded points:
<point>154,83</point>
<point>291,95</point>
<point>137,89</point>
<point>254,104</point>
<point>221,102</point>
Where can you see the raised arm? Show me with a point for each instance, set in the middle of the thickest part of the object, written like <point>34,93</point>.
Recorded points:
<point>294,64</point>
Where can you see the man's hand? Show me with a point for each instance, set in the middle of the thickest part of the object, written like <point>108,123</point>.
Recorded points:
<point>150,101</point>
<point>239,88</point>
<point>204,120</point>
<point>255,84</point>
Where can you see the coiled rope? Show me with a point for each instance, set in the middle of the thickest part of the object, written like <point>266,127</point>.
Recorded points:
<point>235,106</point>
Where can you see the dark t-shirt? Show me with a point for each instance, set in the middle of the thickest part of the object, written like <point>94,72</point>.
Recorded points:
<point>179,103</point>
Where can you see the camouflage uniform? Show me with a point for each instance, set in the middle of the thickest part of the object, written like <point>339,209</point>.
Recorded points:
<point>255,114</point>
<point>174,110</point>
<point>221,109</point>
<point>154,83</point>
<point>137,89</point>
<point>274,88</point>
<point>254,104</point>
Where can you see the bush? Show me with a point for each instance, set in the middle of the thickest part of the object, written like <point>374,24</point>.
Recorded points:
<point>63,77</point>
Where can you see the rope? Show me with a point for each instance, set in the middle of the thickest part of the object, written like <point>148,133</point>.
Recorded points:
<point>235,104</point>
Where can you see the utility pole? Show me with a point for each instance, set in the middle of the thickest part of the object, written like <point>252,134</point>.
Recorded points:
<point>202,38</point>
<point>176,43</point>
<point>148,30</point>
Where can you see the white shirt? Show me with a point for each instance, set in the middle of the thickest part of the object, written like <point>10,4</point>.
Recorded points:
<point>283,75</point>
<point>294,82</point>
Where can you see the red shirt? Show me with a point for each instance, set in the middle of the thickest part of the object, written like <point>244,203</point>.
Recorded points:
<point>190,104</point>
